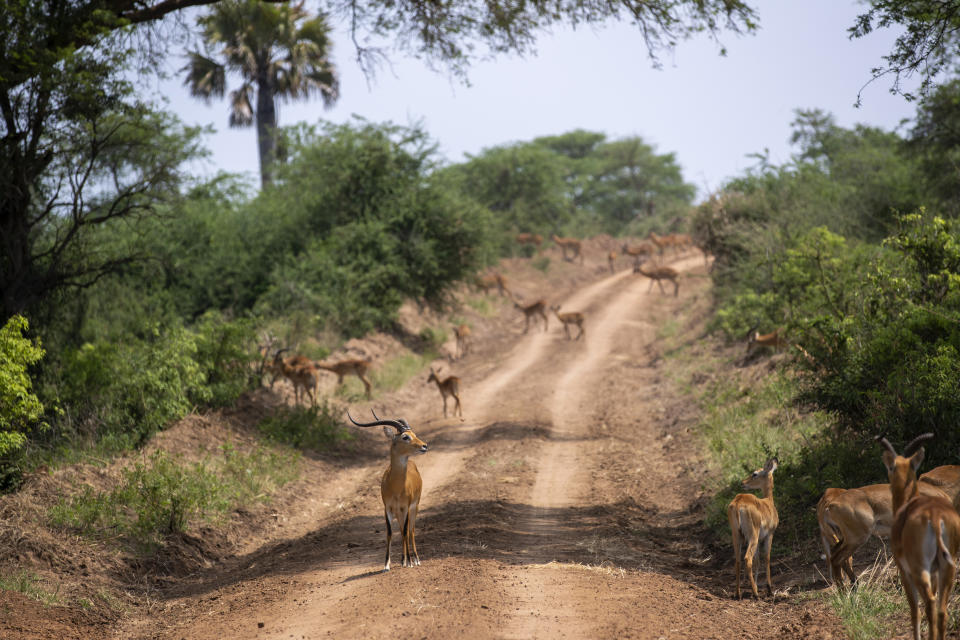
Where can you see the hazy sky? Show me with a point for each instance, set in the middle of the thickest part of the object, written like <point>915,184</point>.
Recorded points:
<point>711,111</point>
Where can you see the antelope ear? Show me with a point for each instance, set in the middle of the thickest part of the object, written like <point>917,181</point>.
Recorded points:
<point>888,460</point>
<point>389,431</point>
<point>916,459</point>
<point>771,465</point>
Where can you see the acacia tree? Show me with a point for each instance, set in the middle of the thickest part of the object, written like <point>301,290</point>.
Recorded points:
<point>279,51</point>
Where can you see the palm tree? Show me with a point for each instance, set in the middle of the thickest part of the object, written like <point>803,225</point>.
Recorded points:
<point>279,52</point>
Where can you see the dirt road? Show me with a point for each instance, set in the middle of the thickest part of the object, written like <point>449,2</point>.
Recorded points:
<point>565,505</point>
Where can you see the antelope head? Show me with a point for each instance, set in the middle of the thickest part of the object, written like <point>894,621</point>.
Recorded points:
<point>404,441</point>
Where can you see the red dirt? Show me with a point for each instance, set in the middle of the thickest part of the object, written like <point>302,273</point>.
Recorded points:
<point>567,504</point>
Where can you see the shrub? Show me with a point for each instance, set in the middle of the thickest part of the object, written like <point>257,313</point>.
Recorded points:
<point>162,495</point>
<point>20,409</point>
<point>315,428</point>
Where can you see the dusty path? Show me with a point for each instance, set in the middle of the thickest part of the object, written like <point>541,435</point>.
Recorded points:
<point>564,506</point>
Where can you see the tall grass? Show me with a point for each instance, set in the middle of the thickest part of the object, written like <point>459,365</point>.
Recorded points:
<point>868,612</point>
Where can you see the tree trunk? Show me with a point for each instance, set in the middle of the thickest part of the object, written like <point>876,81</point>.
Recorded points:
<point>266,129</point>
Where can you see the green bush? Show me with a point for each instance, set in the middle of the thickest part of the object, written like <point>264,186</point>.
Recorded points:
<point>315,428</point>
<point>162,495</point>
<point>128,391</point>
<point>20,410</point>
<point>224,354</point>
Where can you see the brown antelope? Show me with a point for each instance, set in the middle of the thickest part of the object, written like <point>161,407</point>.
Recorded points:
<point>612,261</point>
<point>848,517</point>
<point>753,520</point>
<point>925,538</point>
<point>299,370</point>
<point>947,479</point>
<point>357,367</point>
<point>638,252</point>
<point>660,273</point>
<point>660,242</point>
<point>462,333</point>
<point>566,319</point>
<point>400,486</point>
<point>530,238</point>
<point>681,241</point>
<point>537,308</point>
<point>449,386</point>
<point>572,245</point>
<point>487,282</point>
<point>776,341</point>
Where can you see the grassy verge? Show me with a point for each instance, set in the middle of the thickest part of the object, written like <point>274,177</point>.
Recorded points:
<point>29,585</point>
<point>163,495</point>
<point>315,428</point>
<point>876,608</point>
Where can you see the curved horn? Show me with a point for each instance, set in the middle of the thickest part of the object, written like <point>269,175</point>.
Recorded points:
<point>276,356</point>
<point>915,443</point>
<point>886,443</point>
<point>400,425</point>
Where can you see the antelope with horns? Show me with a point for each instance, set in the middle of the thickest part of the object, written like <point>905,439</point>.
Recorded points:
<point>449,386</point>
<point>753,520</point>
<point>401,485</point>
<point>925,538</point>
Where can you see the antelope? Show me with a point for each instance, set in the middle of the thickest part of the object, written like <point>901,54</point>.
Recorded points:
<point>658,274</point>
<point>530,238</point>
<point>681,241</point>
<point>848,517</point>
<point>661,242</point>
<point>612,260</point>
<point>566,319</point>
<point>925,538</point>
<point>299,370</point>
<point>462,332</point>
<point>776,341</point>
<point>493,280</point>
<point>532,309</point>
<point>400,486</point>
<point>357,367</point>
<point>642,250</point>
<point>571,244</point>
<point>946,478</point>
<point>753,520</point>
<point>449,386</point>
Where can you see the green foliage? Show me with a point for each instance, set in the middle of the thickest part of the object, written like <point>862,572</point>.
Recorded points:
<point>20,410</point>
<point>224,354</point>
<point>361,227</point>
<point>129,391</point>
<point>577,183</point>
<point>162,495</point>
<point>314,428</point>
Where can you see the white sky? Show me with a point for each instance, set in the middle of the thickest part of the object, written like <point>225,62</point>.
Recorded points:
<point>711,111</point>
